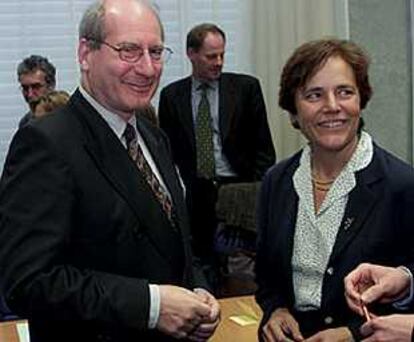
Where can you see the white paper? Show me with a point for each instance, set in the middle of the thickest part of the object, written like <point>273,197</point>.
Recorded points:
<point>23,331</point>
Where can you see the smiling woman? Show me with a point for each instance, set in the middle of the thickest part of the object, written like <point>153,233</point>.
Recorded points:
<point>328,114</point>
<point>334,204</point>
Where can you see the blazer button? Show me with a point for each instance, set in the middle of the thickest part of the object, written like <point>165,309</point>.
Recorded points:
<point>328,320</point>
<point>330,270</point>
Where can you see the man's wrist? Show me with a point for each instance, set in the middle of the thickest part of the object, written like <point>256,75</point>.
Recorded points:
<point>155,304</point>
<point>407,293</point>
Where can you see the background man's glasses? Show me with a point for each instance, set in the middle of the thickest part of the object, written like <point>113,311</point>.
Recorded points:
<point>132,53</point>
<point>35,86</point>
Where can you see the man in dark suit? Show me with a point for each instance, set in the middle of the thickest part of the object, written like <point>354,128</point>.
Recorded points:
<point>242,148</point>
<point>94,241</point>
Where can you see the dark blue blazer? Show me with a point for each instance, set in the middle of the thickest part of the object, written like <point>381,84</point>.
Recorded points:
<point>377,227</point>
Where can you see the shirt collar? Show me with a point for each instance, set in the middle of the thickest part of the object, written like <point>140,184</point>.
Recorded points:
<point>360,159</point>
<point>196,83</point>
<point>363,153</point>
<point>114,121</point>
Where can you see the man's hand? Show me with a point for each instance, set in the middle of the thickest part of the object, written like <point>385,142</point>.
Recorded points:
<point>181,311</point>
<point>369,283</point>
<point>281,326</point>
<point>207,326</point>
<point>393,328</point>
<point>341,334</point>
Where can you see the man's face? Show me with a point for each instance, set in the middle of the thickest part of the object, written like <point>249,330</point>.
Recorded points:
<point>208,60</point>
<point>120,86</point>
<point>33,85</point>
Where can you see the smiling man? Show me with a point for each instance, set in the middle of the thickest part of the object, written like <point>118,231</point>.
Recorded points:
<point>94,235</point>
<point>217,125</point>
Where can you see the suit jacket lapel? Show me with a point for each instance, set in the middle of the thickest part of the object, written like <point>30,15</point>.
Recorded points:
<point>107,151</point>
<point>184,107</point>
<point>166,169</point>
<point>112,159</point>
<point>360,203</point>
<point>227,101</point>
<point>168,174</point>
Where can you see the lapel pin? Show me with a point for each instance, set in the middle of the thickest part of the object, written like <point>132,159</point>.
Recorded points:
<point>348,222</point>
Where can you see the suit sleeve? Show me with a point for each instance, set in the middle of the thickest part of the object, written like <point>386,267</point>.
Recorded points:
<point>269,295</point>
<point>265,152</point>
<point>38,197</point>
<point>401,191</point>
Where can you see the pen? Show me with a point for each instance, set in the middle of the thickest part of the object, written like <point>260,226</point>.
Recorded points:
<point>365,311</point>
<point>364,308</point>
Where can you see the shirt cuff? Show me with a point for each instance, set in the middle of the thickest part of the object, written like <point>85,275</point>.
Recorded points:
<point>405,302</point>
<point>155,303</point>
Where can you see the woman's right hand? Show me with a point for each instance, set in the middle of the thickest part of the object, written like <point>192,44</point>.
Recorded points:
<point>281,327</point>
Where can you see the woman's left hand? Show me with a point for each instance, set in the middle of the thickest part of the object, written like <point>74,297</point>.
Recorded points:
<point>341,334</point>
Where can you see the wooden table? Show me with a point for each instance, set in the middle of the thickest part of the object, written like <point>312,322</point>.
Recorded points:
<point>229,330</point>
<point>8,331</point>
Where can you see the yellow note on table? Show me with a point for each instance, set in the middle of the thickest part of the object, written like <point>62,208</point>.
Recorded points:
<point>243,320</point>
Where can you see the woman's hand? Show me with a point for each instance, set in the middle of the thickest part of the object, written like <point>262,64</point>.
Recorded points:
<point>341,334</point>
<point>281,327</point>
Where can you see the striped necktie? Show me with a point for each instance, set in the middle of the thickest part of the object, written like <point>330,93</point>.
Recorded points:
<point>204,137</point>
<point>136,154</point>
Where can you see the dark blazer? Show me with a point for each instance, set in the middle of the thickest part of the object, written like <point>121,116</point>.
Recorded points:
<point>81,233</point>
<point>377,227</point>
<point>244,130</point>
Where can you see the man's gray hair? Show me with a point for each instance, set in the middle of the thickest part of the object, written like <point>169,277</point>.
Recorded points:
<point>34,63</point>
<point>92,26</point>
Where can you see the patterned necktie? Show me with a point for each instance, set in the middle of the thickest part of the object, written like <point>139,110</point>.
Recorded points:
<point>204,137</point>
<point>136,154</point>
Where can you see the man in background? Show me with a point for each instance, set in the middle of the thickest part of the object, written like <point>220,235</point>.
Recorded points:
<point>218,129</point>
<point>94,233</point>
<point>37,76</point>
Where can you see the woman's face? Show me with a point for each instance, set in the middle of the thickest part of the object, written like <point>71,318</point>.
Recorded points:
<point>328,108</point>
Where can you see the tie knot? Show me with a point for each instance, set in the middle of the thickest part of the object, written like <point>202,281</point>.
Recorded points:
<point>203,87</point>
<point>129,134</point>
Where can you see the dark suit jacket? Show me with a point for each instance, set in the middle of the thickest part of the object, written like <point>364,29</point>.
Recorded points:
<point>244,130</point>
<point>377,227</point>
<point>81,233</point>
<point>25,119</point>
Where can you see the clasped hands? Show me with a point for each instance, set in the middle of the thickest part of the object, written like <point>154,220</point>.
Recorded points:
<point>193,315</point>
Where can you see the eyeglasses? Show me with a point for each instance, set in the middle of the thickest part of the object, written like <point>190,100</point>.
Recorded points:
<point>132,53</point>
<point>35,86</point>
